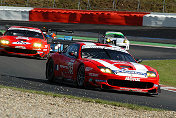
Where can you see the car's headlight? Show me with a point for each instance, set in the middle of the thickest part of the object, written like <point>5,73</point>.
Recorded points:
<point>38,45</point>
<point>151,74</point>
<point>105,69</point>
<point>4,42</point>
<point>125,41</point>
<point>108,40</point>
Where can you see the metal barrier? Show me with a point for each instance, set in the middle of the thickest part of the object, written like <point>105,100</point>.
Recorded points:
<point>117,5</point>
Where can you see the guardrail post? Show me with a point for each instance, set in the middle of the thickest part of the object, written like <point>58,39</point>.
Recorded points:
<point>139,4</point>
<point>114,4</point>
<point>88,5</point>
<point>79,2</point>
<point>27,3</point>
<point>164,3</point>
<point>1,2</point>
<point>54,3</point>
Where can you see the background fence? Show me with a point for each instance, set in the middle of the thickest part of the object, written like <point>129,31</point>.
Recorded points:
<point>168,6</point>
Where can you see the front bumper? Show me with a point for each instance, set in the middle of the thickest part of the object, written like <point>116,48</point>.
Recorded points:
<point>123,45</point>
<point>120,84</point>
<point>24,51</point>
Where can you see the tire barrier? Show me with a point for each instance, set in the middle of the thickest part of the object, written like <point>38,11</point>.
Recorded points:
<point>87,16</point>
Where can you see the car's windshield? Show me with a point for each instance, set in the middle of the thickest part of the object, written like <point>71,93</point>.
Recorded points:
<point>106,54</point>
<point>114,36</point>
<point>25,33</point>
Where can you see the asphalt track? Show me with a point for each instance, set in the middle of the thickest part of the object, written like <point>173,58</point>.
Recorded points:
<point>29,73</point>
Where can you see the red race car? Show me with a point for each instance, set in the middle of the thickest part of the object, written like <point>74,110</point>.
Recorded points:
<point>26,41</point>
<point>102,65</point>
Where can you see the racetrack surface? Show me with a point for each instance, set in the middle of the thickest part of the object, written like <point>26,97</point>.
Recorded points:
<point>136,31</point>
<point>29,73</point>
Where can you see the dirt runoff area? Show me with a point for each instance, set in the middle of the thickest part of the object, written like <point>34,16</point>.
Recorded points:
<point>17,104</point>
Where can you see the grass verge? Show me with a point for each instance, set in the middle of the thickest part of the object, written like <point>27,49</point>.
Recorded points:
<point>118,104</point>
<point>166,70</point>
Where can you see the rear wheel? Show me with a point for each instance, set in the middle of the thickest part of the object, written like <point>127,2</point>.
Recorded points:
<point>81,76</point>
<point>50,71</point>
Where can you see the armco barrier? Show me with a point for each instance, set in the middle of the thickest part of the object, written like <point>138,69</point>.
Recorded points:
<point>87,16</point>
<point>14,13</point>
<point>160,20</point>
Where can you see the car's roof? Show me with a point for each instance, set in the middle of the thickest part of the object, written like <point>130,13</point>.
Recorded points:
<point>25,28</point>
<point>101,46</point>
<point>112,32</point>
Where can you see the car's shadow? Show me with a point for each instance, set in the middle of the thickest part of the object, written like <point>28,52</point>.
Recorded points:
<point>68,85</point>
<point>21,56</point>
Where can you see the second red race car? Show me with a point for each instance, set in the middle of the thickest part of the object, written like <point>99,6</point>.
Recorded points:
<point>26,41</point>
<point>103,66</point>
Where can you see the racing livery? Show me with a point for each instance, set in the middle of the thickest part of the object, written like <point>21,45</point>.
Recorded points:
<point>102,65</point>
<point>26,41</point>
<point>115,38</point>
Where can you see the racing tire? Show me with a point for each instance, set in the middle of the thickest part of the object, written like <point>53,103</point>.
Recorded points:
<point>50,71</point>
<point>80,79</point>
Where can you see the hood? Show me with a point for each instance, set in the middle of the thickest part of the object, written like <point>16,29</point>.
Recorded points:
<point>123,68</point>
<point>119,40</point>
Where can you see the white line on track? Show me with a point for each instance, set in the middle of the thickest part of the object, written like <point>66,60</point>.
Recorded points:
<point>154,46</point>
<point>172,89</point>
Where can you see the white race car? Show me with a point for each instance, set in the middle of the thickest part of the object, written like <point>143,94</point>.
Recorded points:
<point>116,38</point>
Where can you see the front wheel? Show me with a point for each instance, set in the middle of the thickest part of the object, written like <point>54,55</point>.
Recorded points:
<point>50,70</point>
<point>81,76</point>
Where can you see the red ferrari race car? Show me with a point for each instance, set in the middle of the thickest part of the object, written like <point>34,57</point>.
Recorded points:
<point>26,41</point>
<point>102,65</point>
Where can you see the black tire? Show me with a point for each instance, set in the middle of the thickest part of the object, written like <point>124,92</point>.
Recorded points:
<point>50,71</point>
<point>80,79</point>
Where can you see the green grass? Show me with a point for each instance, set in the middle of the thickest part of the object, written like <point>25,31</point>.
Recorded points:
<point>166,70</point>
<point>118,104</point>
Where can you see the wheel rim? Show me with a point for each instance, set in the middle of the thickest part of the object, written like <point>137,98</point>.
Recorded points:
<point>81,76</point>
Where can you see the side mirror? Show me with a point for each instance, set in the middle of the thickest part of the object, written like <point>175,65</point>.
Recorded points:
<point>139,60</point>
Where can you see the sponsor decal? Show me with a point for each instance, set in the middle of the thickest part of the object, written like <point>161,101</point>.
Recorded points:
<point>20,42</point>
<point>89,43</point>
<point>20,47</point>
<point>88,68</point>
<point>93,74</point>
<point>127,89</point>
<point>104,47</point>
<point>57,67</point>
<point>92,46</point>
<point>46,46</point>
<point>39,52</point>
<point>98,80</point>
<point>44,49</point>
<point>37,49</point>
<point>132,79</point>
<point>129,72</point>
<point>62,66</point>
<point>20,37</point>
